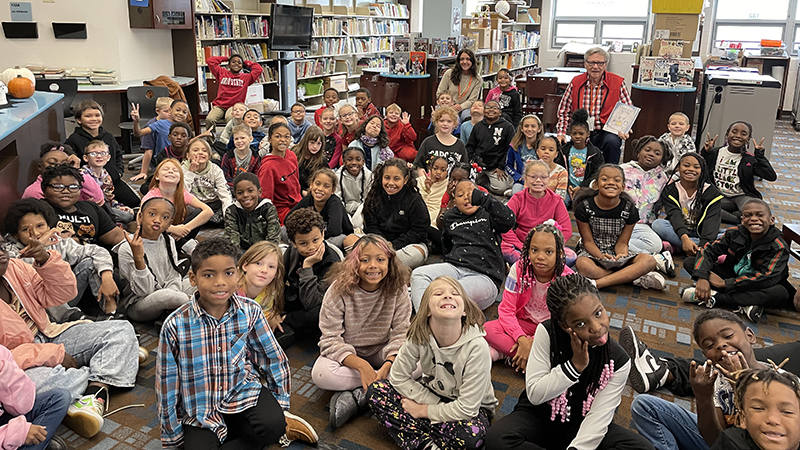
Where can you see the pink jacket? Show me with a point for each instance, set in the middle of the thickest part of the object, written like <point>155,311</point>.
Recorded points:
<point>531,211</point>
<point>17,394</point>
<point>37,288</point>
<point>512,307</point>
<point>90,191</point>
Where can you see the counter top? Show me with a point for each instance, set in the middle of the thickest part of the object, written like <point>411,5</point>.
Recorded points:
<point>647,87</point>
<point>18,112</point>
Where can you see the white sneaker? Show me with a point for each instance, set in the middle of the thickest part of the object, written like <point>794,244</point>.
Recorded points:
<point>651,280</point>
<point>85,416</point>
<point>665,264</point>
<point>508,193</point>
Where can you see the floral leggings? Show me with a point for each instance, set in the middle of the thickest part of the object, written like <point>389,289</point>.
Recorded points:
<point>411,433</point>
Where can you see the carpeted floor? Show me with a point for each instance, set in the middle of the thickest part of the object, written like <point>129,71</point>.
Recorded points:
<point>660,319</point>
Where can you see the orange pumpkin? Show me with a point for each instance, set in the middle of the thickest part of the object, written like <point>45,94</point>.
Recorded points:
<point>20,87</point>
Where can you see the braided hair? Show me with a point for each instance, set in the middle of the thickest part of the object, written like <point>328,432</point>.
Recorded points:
<point>747,377</point>
<point>527,274</point>
<point>562,293</point>
<point>354,148</point>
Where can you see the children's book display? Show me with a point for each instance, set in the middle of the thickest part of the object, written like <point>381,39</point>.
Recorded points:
<point>621,119</point>
<point>401,57</point>
<point>666,72</point>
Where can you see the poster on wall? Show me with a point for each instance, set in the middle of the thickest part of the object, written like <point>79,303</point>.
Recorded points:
<point>456,23</point>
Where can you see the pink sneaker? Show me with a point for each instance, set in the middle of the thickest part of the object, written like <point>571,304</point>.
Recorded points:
<point>667,247</point>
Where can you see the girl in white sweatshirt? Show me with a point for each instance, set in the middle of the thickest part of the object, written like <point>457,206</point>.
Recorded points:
<point>451,405</point>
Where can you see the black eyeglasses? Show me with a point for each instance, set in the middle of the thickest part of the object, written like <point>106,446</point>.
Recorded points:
<point>65,187</point>
<point>596,63</point>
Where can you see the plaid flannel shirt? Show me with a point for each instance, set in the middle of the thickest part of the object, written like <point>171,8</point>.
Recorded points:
<point>208,367</point>
<point>598,93</point>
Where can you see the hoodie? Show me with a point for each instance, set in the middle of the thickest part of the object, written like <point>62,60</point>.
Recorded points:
<point>280,182</point>
<point>490,143</point>
<point>17,396</point>
<point>337,222</point>
<point>594,159</point>
<point>456,381</point>
<point>401,219</point>
<point>305,287</point>
<point>510,103</point>
<point>161,257</point>
<point>353,190</point>
<point>208,185</point>
<point>532,211</point>
<point>80,138</point>
<point>473,241</point>
<point>707,225</point>
<point>246,228</point>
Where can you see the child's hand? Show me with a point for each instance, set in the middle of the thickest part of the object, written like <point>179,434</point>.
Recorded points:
<point>760,145</point>
<point>108,290</point>
<point>624,136</point>
<point>501,174</point>
<point>194,166</point>
<point>715,280</point>
<point>620,255</point>
<point>561,138</point>
<point>315,258</point>
<point>383,372</point>
<point>702,379</point>
<point>571,190</point>
<point>428,181</point>
<point>521,350</point>
<point>75,162</point>
<point>702,290</point>
<point>728,365</point>
<point>36,434</point>
<point>36,249</point>
<point>416,410</point>
<point>368,375</point>
<point>139,176</point>
<point>136,243</point>
<point>135,112</point>
<point>69,362</point>
<point>179,231</point>
<point>405,118</point>
<point>710,142</point>
<point>689,246</point>
<point>275,321</point>
<point>580,351</point>
<point>606,256</point>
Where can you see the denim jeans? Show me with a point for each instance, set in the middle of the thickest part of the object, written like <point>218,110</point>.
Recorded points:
<point>479,287</point>
<point>74,381</point>
<point>667,425</point>
<point>109,348</point>
<point>48,411</point>
<point>664,230</point>
<point>644,240</point>
<point>86,277</point>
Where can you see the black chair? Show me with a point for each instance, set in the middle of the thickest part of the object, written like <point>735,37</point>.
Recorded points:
<point>145,97</point>
<point>66,86</point>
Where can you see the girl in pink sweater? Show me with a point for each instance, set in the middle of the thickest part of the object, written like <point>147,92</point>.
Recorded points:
<point>533,206</point>
<point>524,304</point>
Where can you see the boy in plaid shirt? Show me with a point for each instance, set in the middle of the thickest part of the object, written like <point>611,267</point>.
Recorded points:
<point>213,354</point>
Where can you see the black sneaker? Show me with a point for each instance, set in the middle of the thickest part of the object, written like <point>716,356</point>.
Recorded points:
<point>648,373</point>
<point>752,312</point>
<point>287,337</point>
<point>56,443</point>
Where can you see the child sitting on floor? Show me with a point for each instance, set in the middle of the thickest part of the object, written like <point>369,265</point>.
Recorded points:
<point>364,104</point>
<point>476,115</point>
<point>432,188</point>
<point>354,183</point>
<point>251,219</point>
<point>299,124</point>
<point>147,143</point>
<point>331,98</point>
<point>278,173</point>
<point>180,134</point>
<point>330,207</point>
<point>310,156</point>
<point>580,157</point>
<point>371,136</point>
<point>96,156</point>
<point>508,97</point>
<point>241,158</point>
<point>333,142</point>
<point>261,417</point>
<point>444,100</point>
<point>205,179</point>
<point>261,278</point>
<point>52,153</point>
<point>677,142</point>
<point>252,120</point>
<point>237,114</point>
<point>547,152</point>
<point>523,149</point>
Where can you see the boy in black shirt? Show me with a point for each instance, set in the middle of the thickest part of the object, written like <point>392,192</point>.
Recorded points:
<point>488,143</point>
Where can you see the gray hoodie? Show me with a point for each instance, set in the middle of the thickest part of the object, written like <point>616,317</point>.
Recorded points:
<point>456,380</point>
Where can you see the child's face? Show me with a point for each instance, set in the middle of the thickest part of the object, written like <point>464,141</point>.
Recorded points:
<point>199,153</point>
<point>216,281</point>
<point>314,146</point>
<point>354,162</point>
<point>247,194</point>
<point>91,119</point>
<point>393,116</point>
<point>155,219</point>
<point>445,302</point>
<point>588,319</point>
<point>530,128</point>
<point>463,198</point>
<point>547,150</point>
<point>235,64</point>
<point>52,158</point>
<point>237,111</point>
<point>678,126</point>
<point>178,137</point>
<point>738,136</point>
<point>503,80</point>
<point>65,194</point>
<point>373,267</point>
<point>331,98</point>
<point>651,155</point>
<point>476,109</point>
<point>456,176</point>
<point>169,173</point>
<point>328,120</point>
<point>373,127</point>
<point>445,124</point>
<point>771,415</point>
<point>721,340</point>
<point>259,274</point>
<point>348,116</point>
<point>444,100</point>
<point>298,114</point>
<point>610,182</point>
<point>393,180</point>
<point>163,113</point>
<point>30,222</point>
<point>179,112</point>
<point>757,219</point>
<point>537,179</point>
<point>96,156</point>
<point>252,119</point>
<point>307,244</point>
<point>281,139</point>
<point>690,169</point>
<point>439,170</point>
<point>543,255</point>
<point>321,188</point>
<point>579,135</point>
<point>361,99</point>
<point>491,111</point>
<point>241,141</point>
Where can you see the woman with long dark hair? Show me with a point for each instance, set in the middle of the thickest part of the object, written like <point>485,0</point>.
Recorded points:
<point>463,82</point>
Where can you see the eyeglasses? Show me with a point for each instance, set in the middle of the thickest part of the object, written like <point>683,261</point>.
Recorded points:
<point>96,154</point>
<point>65,187</point>
<point>596,63</point>
<point>537,177</point>
<point>351,113</point>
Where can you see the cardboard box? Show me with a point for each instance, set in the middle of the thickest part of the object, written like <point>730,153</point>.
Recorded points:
<point>680,26</point>
<point>677,6</point>
<point>687,48</point>
<point>338,82</point>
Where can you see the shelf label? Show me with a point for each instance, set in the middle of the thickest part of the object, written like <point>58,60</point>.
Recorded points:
<point>21,12</point>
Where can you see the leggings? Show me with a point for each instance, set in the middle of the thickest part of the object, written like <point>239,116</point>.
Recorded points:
<point>410,433</point>
<point>499,339</point>
<point>731,205</point>
<point>333,376</point>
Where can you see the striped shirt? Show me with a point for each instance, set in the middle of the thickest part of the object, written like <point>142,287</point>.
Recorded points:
<point>593,98</point>
<point>207,367</point>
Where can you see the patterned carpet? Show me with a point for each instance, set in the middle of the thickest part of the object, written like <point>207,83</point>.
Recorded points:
<point>660,319</point>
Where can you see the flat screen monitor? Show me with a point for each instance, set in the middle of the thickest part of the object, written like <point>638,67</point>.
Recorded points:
<point>290,27</point>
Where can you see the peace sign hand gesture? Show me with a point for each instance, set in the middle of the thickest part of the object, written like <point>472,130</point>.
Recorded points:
<point>135,112</point>
<point>710,142</point>
<point>759,146</point>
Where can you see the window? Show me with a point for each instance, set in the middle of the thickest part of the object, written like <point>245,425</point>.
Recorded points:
<point>748,22</point>
<point>600,21</point>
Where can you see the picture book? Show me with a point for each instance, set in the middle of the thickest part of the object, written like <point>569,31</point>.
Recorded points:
<point>671,48</point>
<point>401,44</point>
<point>401,62</point>
<point>666,72</point>
<point>418,61</point>
<point>421,44</point>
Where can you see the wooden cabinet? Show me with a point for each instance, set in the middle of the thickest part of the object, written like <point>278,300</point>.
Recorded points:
<point>161,14</point>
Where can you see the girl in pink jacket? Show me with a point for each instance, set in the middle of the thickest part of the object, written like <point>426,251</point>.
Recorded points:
<point>524,304</point>
<point>25,418</point>
<point>533,206</point>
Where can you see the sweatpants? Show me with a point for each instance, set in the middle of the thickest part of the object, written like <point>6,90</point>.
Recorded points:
<point>493,183</point>
<point>410,433</point>
<point>413,255</point>
<point>730,205</point>
<point>499,339</point>
<point>155,304</point>
<point>330,375</point>
<point>479,287</point>
<point>254,428</point>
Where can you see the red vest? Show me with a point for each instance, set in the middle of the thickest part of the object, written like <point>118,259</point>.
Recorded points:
<point>612,82</point>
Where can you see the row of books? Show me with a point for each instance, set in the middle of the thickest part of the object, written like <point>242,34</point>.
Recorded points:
<point>315,67</point>
<point>490,64</point>
<point>342,46</point>
<point>211,27</point>
<point>211,6</point>
<point>268,75</point>
<point>388,10</point>
<point>85,76</point>
<point>250,52</point>
<point>514,40</point>
<point>329,26</point>
<point>252,26</point>
<point>375,62</point>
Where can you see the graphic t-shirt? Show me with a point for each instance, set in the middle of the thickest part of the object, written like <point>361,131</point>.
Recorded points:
<point>726,173</point>
<point>577,166</point>
<point>86,224</point>
<point>745,265</point>
<point>536,308</point>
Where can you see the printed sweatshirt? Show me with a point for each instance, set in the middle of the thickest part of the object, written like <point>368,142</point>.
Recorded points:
<point>510,103</point>
<point>594,159</point>
<point>456,380</point>
<point>490,143</point>
<point>644,187</point>
<point>208,185</point>
<point>530,212</point>
<point>246,228</point>
<point>160,272</point>
<point>232,86</point>
<point>752,165</point>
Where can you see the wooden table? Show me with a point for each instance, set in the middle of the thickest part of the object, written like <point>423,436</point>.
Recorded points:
<point>657,105</point>
<point>563,74</point>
